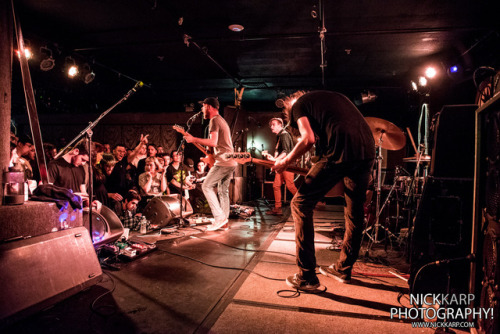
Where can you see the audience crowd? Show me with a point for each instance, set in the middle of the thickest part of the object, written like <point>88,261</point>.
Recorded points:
<point>124,178</point>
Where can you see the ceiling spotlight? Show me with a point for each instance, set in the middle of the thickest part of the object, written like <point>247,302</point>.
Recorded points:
<point>422,81</point>
<point>27,50</point>
<point>71,68</point>
<point>236,27</point>
<point>48,62</point>
<point>87,74</point>
<point>27,53</point>
<point>430,72</point>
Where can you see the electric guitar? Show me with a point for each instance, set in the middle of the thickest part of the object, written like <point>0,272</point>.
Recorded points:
<point>209,157</point>
<point>244,157</point>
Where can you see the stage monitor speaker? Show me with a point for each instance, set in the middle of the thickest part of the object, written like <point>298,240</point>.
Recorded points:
<point>485,274</point>
<point>43,270</point>
<point>106,226</point>
<point>442,231</point>
<point>453,149</point>
<point>162,210</point>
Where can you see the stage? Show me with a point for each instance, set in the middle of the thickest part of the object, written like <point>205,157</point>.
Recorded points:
<point>233,282</point>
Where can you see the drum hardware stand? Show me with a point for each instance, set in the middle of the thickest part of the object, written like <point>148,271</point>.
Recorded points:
<point>375,227</point>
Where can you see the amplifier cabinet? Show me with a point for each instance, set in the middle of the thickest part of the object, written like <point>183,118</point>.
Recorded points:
<point>43,270</point>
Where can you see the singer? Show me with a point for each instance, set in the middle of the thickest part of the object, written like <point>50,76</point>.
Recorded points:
<point>220,174</point>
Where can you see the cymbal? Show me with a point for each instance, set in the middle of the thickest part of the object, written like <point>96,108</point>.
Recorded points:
<point>392,137</point>
<point>424,158</point>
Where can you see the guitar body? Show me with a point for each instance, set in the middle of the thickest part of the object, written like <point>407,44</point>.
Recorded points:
<point>209,158</point>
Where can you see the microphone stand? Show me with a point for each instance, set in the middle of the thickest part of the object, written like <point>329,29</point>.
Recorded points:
<point>180,149</point>
<point>87,132</point>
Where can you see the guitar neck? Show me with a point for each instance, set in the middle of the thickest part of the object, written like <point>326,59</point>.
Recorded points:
<point>183,132</point>
<point>270,164</point>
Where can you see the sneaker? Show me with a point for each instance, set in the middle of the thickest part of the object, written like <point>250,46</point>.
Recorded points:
<point>332,272</point>
<point>214,227</point>
<point>275,212</point>
<point>297,282</point>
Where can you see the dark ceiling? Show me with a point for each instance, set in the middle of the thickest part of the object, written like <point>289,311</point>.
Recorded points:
<point>183,50</point>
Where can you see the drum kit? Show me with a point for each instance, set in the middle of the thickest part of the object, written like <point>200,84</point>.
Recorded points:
<point>406,189</point>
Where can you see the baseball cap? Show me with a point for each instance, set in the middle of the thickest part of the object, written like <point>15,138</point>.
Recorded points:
<point>211,101</point>
<point>279,120</point>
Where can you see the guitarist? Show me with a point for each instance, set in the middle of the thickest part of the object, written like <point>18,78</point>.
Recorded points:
<point>346,149</point>
<point>284,145</point>
<point>220,174</point>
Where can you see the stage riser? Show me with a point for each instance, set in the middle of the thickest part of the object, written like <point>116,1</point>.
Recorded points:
<point>36,218</point>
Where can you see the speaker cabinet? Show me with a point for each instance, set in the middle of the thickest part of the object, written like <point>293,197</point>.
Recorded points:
<point>453,149</point>
<point>442,231</point>
<point>106,226</point>
<point>43,270</point>
<point>484,278</point>
<point>162,210</point>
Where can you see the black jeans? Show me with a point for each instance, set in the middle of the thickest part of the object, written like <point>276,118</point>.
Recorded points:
<point>320,179</point>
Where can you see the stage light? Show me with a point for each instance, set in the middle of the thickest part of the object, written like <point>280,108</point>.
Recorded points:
<point>27,50</point>
<point>27,53</point>
<point>47,63</point>
<point>430,72</point>
<point>422,81</point>
<point>71,68</point>
<point>236,27</point>
<point>453,69</point>
<point>87,74</point>
<point>414,85</point>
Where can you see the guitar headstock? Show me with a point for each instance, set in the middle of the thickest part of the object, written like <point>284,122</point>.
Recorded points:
<point>240,157</point>
<point>179,129</point>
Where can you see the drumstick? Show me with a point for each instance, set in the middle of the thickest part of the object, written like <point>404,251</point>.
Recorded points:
<point>412,142</point>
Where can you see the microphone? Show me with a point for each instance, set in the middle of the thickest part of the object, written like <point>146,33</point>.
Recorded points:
<point>280,103</point>
<point>196,115</point>
<point>134,89</point>
<point>470,257</point>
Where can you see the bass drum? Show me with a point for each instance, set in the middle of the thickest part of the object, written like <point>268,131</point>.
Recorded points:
<point>106,226</point>
<point>162,210</point>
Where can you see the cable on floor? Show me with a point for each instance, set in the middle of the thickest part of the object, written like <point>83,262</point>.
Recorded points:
<point>221,267</point>
<point>96,309</point>
<point>243,249</point>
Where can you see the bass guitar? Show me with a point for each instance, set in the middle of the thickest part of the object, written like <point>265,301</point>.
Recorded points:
<point>209,157</point>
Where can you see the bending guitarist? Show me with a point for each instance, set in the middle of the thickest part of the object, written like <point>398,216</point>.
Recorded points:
<point>346,148</point>
<point>220,174</point>
<point>284,145</point>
